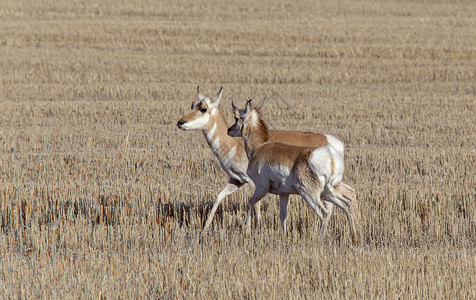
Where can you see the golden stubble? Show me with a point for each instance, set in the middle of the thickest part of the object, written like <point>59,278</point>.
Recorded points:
<point>101,195</point>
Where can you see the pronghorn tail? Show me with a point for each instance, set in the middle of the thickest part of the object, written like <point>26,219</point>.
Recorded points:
<point>336,143</point>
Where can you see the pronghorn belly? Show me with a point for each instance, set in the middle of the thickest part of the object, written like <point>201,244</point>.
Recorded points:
<point>282,183</point>
<point>282,190</point>
<point>235,172</point>
<point>277,179</point>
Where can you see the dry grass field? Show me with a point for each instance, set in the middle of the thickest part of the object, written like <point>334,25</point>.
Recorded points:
<point>102,196</point>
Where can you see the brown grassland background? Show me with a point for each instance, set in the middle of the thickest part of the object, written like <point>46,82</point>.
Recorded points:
<point>101,194</point>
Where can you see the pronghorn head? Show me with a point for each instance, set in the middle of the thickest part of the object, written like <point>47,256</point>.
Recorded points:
<point>202,109</point>
<point>235,129</point>
<point>245,117</point>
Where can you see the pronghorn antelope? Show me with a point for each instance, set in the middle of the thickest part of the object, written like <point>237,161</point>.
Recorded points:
<point>230,151</point>
<point>283,169</point>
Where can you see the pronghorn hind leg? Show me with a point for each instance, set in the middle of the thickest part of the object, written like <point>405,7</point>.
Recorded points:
<point>313,199</point>
<point>325,221</point>
<point>348,192</point>
<point>230,188</point>
<point>330,194</point>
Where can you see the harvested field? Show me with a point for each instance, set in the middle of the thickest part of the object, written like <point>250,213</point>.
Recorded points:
<point>102,195</point>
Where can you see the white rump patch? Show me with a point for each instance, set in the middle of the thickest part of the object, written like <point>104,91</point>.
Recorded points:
<point>320,162</point>
<point>338,165</point>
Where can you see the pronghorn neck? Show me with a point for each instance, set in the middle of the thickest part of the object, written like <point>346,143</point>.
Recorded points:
<point>216,135</point>
<point>255,133</point>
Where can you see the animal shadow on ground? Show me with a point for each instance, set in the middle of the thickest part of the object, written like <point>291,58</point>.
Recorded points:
<point>188,214</point>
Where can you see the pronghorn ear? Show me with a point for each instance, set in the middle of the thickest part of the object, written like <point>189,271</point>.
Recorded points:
<point>200,96</point>
<point>215,100</point>
<point>194,103</point>
<point>260,104</point>
<point>249,107</point>
<point>235,109</point>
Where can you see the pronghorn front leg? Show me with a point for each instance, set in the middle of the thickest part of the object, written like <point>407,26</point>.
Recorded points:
<point>257,195</point>
<point>230,188</point>
<point>283,210</point>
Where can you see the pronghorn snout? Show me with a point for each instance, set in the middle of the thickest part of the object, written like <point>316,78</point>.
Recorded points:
<point>180,123</point>
<point>233,131</point>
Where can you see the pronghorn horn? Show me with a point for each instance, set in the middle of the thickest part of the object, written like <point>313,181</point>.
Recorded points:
<point>233,105</point>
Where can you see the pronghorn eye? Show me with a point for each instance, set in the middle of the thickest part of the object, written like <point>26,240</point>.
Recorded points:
<point>203,110</point>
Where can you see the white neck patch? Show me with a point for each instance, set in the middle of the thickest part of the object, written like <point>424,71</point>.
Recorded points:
<point>254,118</point>
<point>231,154</point>
<point>211,133</point>
<point>216,144</point>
